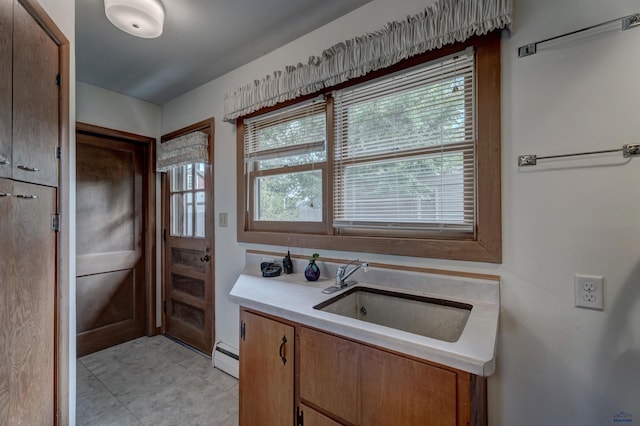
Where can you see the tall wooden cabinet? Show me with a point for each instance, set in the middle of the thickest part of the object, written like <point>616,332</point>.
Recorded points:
<point>30,132</point>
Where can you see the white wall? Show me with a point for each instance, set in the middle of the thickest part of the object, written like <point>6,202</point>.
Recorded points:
<point>106,108</point>
<point>557,365</point>
<point>63,14</point>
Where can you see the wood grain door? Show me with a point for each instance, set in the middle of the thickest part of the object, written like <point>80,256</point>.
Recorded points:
<point>27,290</point>
<point>329,371</point>
<point>401,391</point>
<point>189,255</point>
<point>110,230</point>
<point>266,371</point>
<point>35,101</point>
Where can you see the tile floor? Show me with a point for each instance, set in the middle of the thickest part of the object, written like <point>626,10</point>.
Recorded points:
<point>153,381</point>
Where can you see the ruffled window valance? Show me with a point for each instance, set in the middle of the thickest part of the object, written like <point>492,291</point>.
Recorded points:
<point>445,22</point>
<point>190,148</point>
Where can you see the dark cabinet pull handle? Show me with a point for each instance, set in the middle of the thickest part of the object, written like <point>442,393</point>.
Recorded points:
<point>4,161</point>
<point>28,169</point>
<point>5,194</point>
<point>283,355</point>
<point>30,197</point>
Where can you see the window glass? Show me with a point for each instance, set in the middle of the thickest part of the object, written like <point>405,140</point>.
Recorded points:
<point>187,200</point>
<point>290,197</point>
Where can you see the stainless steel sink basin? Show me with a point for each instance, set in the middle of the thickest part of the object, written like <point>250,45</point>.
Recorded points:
<point>436,318</point>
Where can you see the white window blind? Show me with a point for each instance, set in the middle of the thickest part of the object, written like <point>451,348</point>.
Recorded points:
<point>287,137</point>
<point>405,149</point>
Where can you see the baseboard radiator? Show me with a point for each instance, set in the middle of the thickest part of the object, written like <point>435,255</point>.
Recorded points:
<point>226,358</point>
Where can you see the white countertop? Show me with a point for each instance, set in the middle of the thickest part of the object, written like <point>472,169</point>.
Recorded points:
<point>292,297</point>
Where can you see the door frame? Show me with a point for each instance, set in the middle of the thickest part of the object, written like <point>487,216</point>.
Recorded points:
<point>149,204</point>
<point>209,126</point>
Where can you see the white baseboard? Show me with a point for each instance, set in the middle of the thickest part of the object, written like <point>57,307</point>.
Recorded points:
<point>224,362</point>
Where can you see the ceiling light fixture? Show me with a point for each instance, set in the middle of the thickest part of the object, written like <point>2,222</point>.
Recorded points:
<point>141,18</point>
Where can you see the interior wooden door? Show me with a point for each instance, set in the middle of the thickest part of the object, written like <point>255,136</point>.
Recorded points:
<point>28,289</point>
<point>189,254</point>
<point>110,242</point>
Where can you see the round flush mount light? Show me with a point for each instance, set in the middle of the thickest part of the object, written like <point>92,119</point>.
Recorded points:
<point>141,18</point>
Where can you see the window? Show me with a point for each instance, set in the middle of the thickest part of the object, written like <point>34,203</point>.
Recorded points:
<point>405,161</point>
<point>187,200</point>
<point>405,150</point>
<point>286,161</point>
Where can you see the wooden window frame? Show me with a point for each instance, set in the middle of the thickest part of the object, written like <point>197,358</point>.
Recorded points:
<point>486,246</point>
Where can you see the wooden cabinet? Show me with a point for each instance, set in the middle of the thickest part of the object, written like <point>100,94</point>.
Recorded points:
<point>344,382</point>
<point>266,371</point>
<point>30,117</point>
<point>355,384</point>
<point>29,93</point>
<point>329,373</point>
<point>27,295</point>
<point>307,416</point>
<point>397,390</point>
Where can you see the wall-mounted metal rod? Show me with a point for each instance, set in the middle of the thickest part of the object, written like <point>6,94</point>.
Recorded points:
<point>629,21</point>
<point>628,150</point>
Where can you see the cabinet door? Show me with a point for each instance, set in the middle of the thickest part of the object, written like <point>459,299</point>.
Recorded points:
<point>266,372</point>
<point>400,391</point>
<point>312,418</point>
<point>329,373</point>
<point>6,28</point>
<point>6,294</point>
<point>35,101</point>
<point>32,322</point>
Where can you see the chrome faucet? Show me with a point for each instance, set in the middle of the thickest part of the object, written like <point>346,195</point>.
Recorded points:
<point>342,275</point>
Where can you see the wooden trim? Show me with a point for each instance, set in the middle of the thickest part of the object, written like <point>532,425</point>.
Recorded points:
<point>241,180</point>
<point>418,269</point>
<point>164,235</point>
<point>327,213</point>
<point>112,133</point>
<point>150,220</point>
<point>479,413</point>
<point>486,246</point>
<point>489,204</point>
<point>207,125</point>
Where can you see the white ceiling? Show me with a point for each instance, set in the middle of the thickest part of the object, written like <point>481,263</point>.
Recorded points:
<point>202,40</point>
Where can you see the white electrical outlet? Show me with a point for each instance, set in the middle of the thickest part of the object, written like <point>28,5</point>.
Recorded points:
<point>589,291</point>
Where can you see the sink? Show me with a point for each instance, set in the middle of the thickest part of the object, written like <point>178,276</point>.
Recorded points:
<point>430,317</point>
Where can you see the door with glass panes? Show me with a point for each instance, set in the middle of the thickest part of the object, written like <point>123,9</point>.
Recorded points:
<point>188,255</point>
